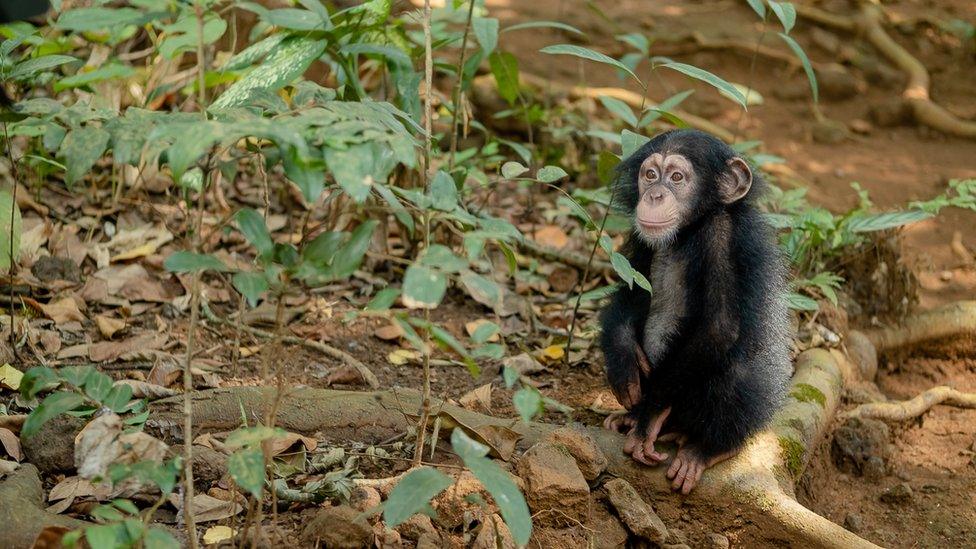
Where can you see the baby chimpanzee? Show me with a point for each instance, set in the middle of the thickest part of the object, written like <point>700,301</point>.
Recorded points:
<point>704,360</point>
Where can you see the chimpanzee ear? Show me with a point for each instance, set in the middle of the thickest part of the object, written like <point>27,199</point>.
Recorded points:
<point>735,181</point>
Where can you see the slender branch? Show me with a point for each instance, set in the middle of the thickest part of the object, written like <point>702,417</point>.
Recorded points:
<point>10,251</point>
<point>456,98</point>
<point>908,409</point>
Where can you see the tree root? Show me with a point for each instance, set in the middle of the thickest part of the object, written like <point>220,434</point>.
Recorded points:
<point>759,481</point>
<point>908,409</point>
<point>573,259</point>
<point>634,100</point>
<point>22,511</point>
<point>952,320</point>
<point>869,23</point>
<point>368,376</point>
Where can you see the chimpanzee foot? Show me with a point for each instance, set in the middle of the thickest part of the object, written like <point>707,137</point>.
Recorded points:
<point>688,465</point>
<point>621,422</point>
<point>642,448</point>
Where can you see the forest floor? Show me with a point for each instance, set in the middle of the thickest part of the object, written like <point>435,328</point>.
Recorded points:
<point>935,456</point>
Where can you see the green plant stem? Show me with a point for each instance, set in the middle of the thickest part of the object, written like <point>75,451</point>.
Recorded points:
<point>201,62</point>
<point>13,210</point>
<point>456,96</point>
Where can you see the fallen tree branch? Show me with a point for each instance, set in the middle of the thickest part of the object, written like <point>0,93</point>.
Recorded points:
<point>908,409</point>
<point>754,481</point>
<point>368,376</point>
<point>953,320</point>
<point>869,23</point>
<point>22,511</point>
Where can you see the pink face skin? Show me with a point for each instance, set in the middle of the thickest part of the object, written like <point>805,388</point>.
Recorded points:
<point>666,184</point>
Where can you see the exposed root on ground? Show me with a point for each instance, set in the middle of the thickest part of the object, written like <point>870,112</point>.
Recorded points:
<point>323,348</point>
<point>908,409</point>
<point>573,259</point>
<point>869,22</point>
<point>955,319</point>
<point>22,511</point>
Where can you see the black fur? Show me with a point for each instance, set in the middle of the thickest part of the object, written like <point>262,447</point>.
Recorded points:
<point>724,369</point>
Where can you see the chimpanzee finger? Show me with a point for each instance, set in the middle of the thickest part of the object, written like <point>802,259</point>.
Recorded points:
<point>675,466</point>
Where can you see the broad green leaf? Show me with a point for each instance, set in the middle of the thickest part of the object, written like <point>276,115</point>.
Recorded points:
<point>252,436</point>
<point>97,385</point>
<point>423,287</point>
<point>758,7</point>
<point>638,41</point>
<point>32,67</point>
<point>352,169</point>
<point>280,68</point>
<point>866,223</point>
<point>752,96</point>
<point>383,300</point>
<point>805,61</point>
<point>186,262</point>
<point>184,35</point>
<point>253,53</point>
<point>443,192</point>
<point>630,142</point>
<point>598,293</point>
<point>511,170</point>
<point>157,538</point>
<point>10,224</point>
<point>586,53</point>
<point>606,166</point>
<point>786,14</point>
<point>81,148</point>
<point>543,25</point>
<point>484,332</point>
<point>412,494</point>
<point>800,302</point>
<point>38,379</point>
<point>486,31</point>
<point>504,67</point>
<point>399,211</point>
<point>102,536</point>
<point>252,225</point>
<point>350,256</point>
<point>548,174</point>
<point>321,249</point>
<point>498,483</point>
<point>117,398</point>
<point>52,406</point>
<point>98,18</point>
<point>528,402</point>
<point>307,172</point>
<point>622,266</point>
<point>251,285</point>
<point>440,257</point>
<point>619,108</point>
<point>484,290</point>
<point>708,78</point>
<point>246,467</point>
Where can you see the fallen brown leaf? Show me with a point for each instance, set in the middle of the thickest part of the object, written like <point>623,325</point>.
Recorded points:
<point>61,311</point>
<point>478,399</point>
<point>11,444</point>
<point>108,326</point>
<point>389,332</point>
<point>552,236</point>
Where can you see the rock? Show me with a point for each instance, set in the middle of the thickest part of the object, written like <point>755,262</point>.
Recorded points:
<point>209,465</point>
<point>828,132</point>
<point>51,449</point>
<point>364,498</point>
<point>386,538</point>
<point>862,127</point>
<point>48,269</point>
<point>837,83</point>
<point>676,536</point>
<point>874,468</point>
<point>854,522</point>
<point>580,444</point>
<point>635,512</point>
<point>608,533</point>
<point>898,494</point>
<point>337,528</point>
<point>553,483</point>
<point>890,113</point>
<point>856,441</point>
<point>429,541</point>
<point>416,527</point>
<point>718,541</point>
<point>453,503</point>
<point>676,546</point>
<point>494,534</point>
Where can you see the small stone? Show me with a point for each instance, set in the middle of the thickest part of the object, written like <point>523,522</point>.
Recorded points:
<point>856,441</point>
<point>553,482</point>
<point>945,276</point>
<point>608,533</point>
<point>429,541</point>
<point>635,512</point>
<point>718,541</point>
<point>828,132</point>
<point>860,126</point>
<point>837,83</point>
<point>676,536</point>
<point>588,455</point>
<point>494,534</point>
<point>338,527</point>
<point>898,494</point>
<point>416,526</point>
<point>873,468</point>
<point>386,538</point>
<point>854,522</point>
<point>364,498</point>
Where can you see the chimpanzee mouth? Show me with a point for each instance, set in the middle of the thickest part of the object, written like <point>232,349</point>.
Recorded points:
<point>655,225</point>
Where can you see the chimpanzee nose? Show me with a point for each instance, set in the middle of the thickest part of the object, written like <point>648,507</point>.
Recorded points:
<point>655,195</point>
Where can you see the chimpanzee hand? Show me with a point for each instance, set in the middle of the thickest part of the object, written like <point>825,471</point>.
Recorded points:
<point>627,387</point>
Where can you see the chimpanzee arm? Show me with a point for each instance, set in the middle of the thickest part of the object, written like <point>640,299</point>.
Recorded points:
<point>621,322</point>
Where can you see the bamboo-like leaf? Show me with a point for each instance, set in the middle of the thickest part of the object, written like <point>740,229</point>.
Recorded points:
<point>544,25</point>
<point>709,78</point>
<point>586,53</point>
<point>786,13</point>
<point>619,108</point>
<point>486,32</point>
<point>758,7</point>
<point>805,61</point>
<point>280,68</point>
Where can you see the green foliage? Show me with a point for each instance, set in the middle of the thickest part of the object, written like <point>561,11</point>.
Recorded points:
<point>10,228</point>
<point>412,495</point>
<point>586,53</point>
<point>701,74</point>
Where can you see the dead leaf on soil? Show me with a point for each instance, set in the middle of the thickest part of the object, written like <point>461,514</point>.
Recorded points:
<point>132,282</point>
<point>108,325</point>
<point>130,243</point>
<point>563,279</point>
<point>605,403</point>
<point>142,389</point>
<point>107,351</point>
<point>208,508</point>
<point>10,377</point>
<point>400,357</point>
<point>217,534</point>
<point>524,364</point>
<point>284,442</point>
<point>389,332</point>
<point>472,327</point>
<point>345,375</point>
<point>11,444</point>
<point>500,440</point>
<point>552,236</point>
<point>102,443</point>
<point>552,353</point>
<point>478,399</point>
<point>61,311</point>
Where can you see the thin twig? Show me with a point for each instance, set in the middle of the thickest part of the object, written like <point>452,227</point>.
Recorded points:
<point>457,88</point>
<point>908,409</point>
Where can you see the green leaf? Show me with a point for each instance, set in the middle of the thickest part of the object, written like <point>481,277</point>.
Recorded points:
<point>585,53</point>
<point>98,18</point>
<point>440,257</point>
<point>800,302</point>
<point>283,65</point>
<point>157,538</point>
<point>443,192</point>
<point>184,35</point>
<point>486,31</point>
<point>52,406</point>
<point>412,494</point>
<point>102,536</point>
<point>251,285</point>
<point>187,262</point>
<point>399,211</point>
<point>32,67</point>
<point>383,300</point>
<point>805,61</point>
<point>484,332</point>
<point>786,14</point>
<point>352,168</point>
<point>758,7</point>
<point>619,108</point>
<point>246,467</point>
<point>498,483</point>
<point>81,148</point>
<point>253,53</point>
<point>549,174</point>
<point>350,256</point>
<point>638,41</point>
<point>544,25</point>
<point>484,290</point>
<point>97,385</point>
<point>866,223</point>
<point>606,166</point>
<point>117,398</point>
<point>708,78</point>
<point>528,402</point>
<point>511,170</point>
<point>630,142</point>
<point>504,67</point>
<point>38,379</point>
<point>423,287</point>
<point>252,225</point>
<point>10,224</point>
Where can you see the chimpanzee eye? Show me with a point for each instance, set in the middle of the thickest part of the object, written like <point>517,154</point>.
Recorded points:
<point>677,177</point>
<point>651,175</point>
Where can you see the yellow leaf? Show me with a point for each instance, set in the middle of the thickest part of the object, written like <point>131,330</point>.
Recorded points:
<point>108,325</point>
<point>400,357</point>
<point>144,250</point>
<point>10,377</point>
<point>249,351</point>
<point>552,353</point>
<point>217,534</point>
